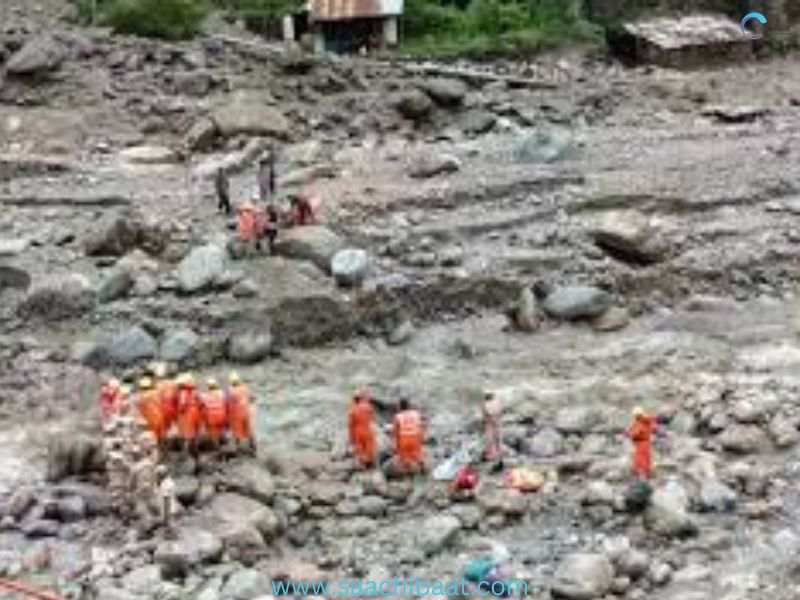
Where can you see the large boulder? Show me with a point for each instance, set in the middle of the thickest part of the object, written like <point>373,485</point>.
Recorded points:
<point>235,508</point>
<point>250,348</point>
<point>116,285</point>
<point>445,92</point>
<point>317,244</point>
<point>119,234</point>
<point>180,346</point>
<point>437,532</point>
<point>583,577</point>
<point>73,454</point>
<point>668,512</point>
<point>247,116</point>
<point>744,439</point>
<point>58,297</point>
<point>350,267</point>
<point>545,145</point>
<point>576,302</point>
<point>38,56</point>
<point>201,268</point>
<point>413,105</point>
<point>251,480</point>
<point>131,346</point>
<point>192,547</point>
<point>14,277</point>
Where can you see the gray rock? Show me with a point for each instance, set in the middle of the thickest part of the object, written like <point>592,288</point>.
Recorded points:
<point>18,505</point>
<point>479,122</point>
<point>114,236</point>
<point>89,351</point>
<point>372,506</point>
<point>748,412</point>
<point>251,480</point>
<point>246,584</point>
<point>524,315</point>
<point>715,496</point>
<point>631,237</point>
<point>235,508</point>
<point>614,319</point>
<point>200,269</point>
<point>58,297</point>
<point>316,243</point>
<point>445,92</point>
<point>115,286</point>
<point>250,348</point>
<point>431,164</point>
<point>192,547</point>
<point>583,577</point>
<point>783,431</point>
<point>577,419</point>
<point>71,509</point>
<point>73,454</point>
<point>148,155</point>
<point>413,105</point>
<point>350,267</point>
<point>633,563</point>
<point>402,333</point>
<point>600,493</point>
<point>668,512</point>
<point>14,277</point>
<point>246,288</point>
<point>180,346</point>
<point>145,581</point>
<point>437,532</point>
<point>547,443</point>
<point>186,489</point>
<point>744,439</point>
<point>576,302</point>
<point>13,247</point>
<point>131,346</point>
<point>40,528</point>
<point>38,56</point>
<point>202,135</point>
<point>250,118</point>
<point>545,145</point>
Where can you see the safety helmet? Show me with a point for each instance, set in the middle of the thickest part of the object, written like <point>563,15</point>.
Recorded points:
<point>638,411</point>
<point>160,370</point>
<point>125,390</point>
<point>145,383</point>
<point>113,383</point>
<point>234,378</point>
<point>212,383</point>
<point>186,379</point>
<point>161,470</point>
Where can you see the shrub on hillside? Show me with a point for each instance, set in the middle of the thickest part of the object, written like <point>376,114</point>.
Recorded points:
<point>168,19</point>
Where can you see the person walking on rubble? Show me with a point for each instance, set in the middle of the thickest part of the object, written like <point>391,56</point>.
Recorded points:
<point>360,427</point>
<point>223,188</point>
<point>641,433</point>
<point>266,178</point>
<point>409,437</point>
<point>492,413</point>
<point>241,413</point>
<point>167,390</point>
<point>215,412</point>
<point>189,413</point>
<point>150,410</point>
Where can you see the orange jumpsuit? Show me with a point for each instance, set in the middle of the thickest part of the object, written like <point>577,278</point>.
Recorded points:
<point>189,413</point>
<point>641,434</point>
<point>150,409</point>
<point>168,396</point>
<point>408,439</point>
<point>240,418</point>
<point>215,414</point>
<point>362,436</point>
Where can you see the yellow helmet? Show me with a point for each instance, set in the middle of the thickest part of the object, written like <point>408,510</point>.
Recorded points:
<point>234,378</point>
<point>212,383</point>
<point>638,411</point>
<point>125,390</point>
<point>160,370</point>
<point>114,383</point>
<point>145,383</point>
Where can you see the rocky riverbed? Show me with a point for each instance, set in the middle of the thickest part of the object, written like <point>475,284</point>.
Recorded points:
<point>578,236</point>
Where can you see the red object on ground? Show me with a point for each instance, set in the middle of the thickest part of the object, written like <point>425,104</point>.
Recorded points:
<point>16,586</point>
<point>467,478</point>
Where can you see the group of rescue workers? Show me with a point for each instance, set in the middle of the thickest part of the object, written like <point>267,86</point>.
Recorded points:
<point>262,216</point>
<point>175,408</point>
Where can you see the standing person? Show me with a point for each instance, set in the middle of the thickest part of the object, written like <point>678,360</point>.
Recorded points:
<point>166,493</point>
<point>362,435</point>
<point>110,398</point>
<point>189,413</point>
<point>409,437</point>
<point>215,412</point>
<point>241,412</point>
<point>302,211</point>
<point>492,413</point>
<point>271,226</point>
<point>223,188</point>
<point>641,433</point>
<point>167,390</point>
<point>266,178</point>
<point>150,410</point>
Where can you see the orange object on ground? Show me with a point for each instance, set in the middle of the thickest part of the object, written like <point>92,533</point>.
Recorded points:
<point>150,409</point>
<point>27,591</point>
<point>240,417</point>
<point>641,434</point>
<point>189,412</point>
<point>168,397</point>
<point>215,413</point>
<point>362,435</point>
<point>408,438</point>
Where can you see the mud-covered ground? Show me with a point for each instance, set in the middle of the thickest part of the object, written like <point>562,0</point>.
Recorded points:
<point>672,196</point>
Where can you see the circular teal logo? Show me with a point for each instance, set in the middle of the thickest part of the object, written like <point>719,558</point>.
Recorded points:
<point>753,16</point>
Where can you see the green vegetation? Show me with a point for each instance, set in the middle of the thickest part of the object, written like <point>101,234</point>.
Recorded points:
<point>486,27</point>
<point>168,19</point>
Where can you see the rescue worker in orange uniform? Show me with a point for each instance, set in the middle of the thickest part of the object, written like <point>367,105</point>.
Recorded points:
<point>409,437</point>
<point>641,433</point>
<point>150,409</point>
<point>362,435</point>
<point>240,412</point>
<point>190,412</point>
<point>215,412</point>
<point>110,399</point>
<point>168,396</point>
<point>252,224</point>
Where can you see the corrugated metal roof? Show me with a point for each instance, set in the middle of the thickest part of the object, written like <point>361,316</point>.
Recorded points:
<point>343,10</point>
